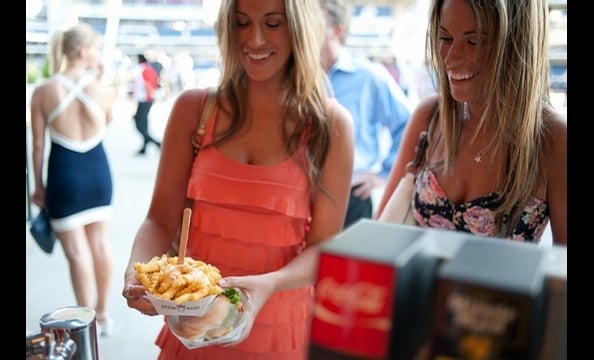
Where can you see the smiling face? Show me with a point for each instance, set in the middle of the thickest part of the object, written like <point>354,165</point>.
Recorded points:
<point>263,38</point>
<point>458,49</point>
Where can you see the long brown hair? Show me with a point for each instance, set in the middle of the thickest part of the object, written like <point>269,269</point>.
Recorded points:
<point>305,96</point>
<point>516,84</point>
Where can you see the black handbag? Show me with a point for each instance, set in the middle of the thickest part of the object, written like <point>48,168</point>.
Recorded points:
<point>42,232</point>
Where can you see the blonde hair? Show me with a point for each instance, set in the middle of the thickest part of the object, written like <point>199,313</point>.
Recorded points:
<point>515,86</point>
<point>305,96</point>
<point>66,44</point>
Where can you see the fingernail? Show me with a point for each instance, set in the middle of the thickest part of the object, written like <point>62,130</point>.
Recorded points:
<point>222,282</point>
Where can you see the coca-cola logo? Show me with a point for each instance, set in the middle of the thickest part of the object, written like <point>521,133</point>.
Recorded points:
<point>360,296</point>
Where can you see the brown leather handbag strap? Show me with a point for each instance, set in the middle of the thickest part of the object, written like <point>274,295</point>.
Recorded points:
<point>207,103</point>
<point>207,109</point>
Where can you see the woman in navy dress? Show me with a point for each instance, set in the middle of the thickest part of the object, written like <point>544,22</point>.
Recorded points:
<point>75,108</point>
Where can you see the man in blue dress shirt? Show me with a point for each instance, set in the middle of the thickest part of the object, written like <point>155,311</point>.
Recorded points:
<point>375,101</point>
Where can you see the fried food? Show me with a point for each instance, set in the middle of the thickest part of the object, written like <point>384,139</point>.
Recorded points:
<point>193,280</point>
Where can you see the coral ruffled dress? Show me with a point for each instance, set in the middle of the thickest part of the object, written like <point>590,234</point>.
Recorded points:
<point>248,220</point>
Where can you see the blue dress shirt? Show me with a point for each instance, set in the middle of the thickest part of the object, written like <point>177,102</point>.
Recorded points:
<point>376,102</point>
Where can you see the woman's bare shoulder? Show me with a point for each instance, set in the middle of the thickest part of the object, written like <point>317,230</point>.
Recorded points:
<point>190,96</point>
<point>45,94</point>
<point>419,119</point>
<point>189,101</point>
<point>555,125</point>
<point>555,134</point>
<point>554,151</point>
<point>339,115</point>
<point>337,110</point>
<point>47,86</point>
<point>427,105</point>
<point>555,120</point>
<point>186,108</point>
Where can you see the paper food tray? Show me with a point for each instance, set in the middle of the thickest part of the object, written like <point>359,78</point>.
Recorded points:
<point>192,308</point>
<point>173,322</point>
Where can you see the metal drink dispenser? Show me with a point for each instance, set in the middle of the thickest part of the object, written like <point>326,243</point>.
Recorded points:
<point>68,333</point>
<point>372,294</point>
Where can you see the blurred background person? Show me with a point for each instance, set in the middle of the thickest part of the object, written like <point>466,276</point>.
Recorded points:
<point>181,73</point>
<point>145,83</point>
<point>75,108</point>
<point>426,80</point>
<point>376,103</point>
<point>160,62</point>
<point>403,73</point>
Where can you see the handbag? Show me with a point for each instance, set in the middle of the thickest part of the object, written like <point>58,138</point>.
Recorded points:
<point>398,209</point>
<point>42,232</point>
<point>207,109</point>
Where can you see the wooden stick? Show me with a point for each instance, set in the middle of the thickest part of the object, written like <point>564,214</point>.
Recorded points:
<point>183,242</point>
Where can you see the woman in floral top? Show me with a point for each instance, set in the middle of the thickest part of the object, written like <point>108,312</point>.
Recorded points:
<point>496,164</point>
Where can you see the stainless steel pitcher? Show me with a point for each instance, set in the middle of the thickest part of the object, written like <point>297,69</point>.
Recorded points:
<point>68,333</point>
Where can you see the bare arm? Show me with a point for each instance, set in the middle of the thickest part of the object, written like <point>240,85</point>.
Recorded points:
<point>556,178</point>
<point>110,96</point>
<point>418,122</point>
<point>169,194</point>
<point>38,125</point>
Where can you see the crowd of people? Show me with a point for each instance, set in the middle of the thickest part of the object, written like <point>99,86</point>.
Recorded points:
<point>296,135</point>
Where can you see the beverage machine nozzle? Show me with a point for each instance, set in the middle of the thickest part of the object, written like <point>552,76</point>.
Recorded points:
<point>44,346</point>
<point>68,333</point>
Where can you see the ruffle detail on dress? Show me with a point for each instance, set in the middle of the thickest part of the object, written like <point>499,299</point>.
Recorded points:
<point>252,193</point>
<point>282,188</point>
<point>250,219</point>
<point>251,226</point>
<point>249,258</point>
<point>299,301</point>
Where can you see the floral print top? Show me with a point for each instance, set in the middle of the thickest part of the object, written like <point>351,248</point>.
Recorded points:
<point>433,209</point>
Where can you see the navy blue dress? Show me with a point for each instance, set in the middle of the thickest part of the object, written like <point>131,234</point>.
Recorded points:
<point>79,183</point>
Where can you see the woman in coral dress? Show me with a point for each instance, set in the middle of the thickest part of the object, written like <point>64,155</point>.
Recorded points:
<point>269,184</point>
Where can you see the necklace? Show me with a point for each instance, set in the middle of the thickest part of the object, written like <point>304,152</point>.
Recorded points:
<point>478,157</point>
